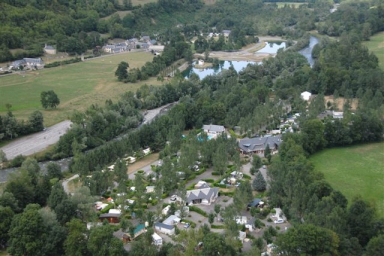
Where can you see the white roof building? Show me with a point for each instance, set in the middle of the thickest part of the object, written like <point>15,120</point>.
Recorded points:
<point>157,240</point>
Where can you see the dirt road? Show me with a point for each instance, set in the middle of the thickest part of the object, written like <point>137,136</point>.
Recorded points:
<point>36,142</point>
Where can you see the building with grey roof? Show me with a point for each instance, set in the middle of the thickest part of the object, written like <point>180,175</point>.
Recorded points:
<point>259,144</point>
<point>213,129</point>
<point>202,196</point>
<point>165,228</point>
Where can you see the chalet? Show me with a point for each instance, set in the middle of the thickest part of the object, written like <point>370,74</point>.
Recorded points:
<point>259,144</point>
<point>110,217</point>
<point>213,130</point>
<point>202,196</point>
<point>255,203</point>
<point>165,228</point>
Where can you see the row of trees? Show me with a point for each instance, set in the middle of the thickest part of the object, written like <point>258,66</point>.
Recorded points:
<point>11,128</point>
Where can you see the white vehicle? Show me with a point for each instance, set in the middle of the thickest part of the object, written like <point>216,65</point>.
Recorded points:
<point>279,221</point>
<point>173,198</point>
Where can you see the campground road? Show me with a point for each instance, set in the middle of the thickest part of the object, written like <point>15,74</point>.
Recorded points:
<point>36,142</point>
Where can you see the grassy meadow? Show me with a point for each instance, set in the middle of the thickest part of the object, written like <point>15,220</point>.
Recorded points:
<point>376,45</point>
<point>355,171</point>
<point>77,85</point>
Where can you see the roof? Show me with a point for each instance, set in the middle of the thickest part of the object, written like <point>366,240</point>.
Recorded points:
<point>214,128</point>
<point>165,226</point>
<point>255,202</point>
<point>49,47</point>
<point>110,215</point>
<point>156,236</point>
<point>171,220</point>
<point>226,31</point>
<point>259,143</point>
<point>204,193</point>
<point>35,60</point>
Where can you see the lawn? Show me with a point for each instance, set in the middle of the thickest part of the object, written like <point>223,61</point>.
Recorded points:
<point>355,170</point>
<point>376,45</point>
<point>78,86</point>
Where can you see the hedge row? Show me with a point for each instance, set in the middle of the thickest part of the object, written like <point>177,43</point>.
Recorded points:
<point>198,210</point>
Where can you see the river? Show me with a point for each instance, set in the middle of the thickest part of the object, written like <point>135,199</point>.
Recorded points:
<point>307,51</point>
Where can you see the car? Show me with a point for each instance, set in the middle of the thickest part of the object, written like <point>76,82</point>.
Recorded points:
<point>278,221</point>
<point>186,225</point>
<point>173,198</point>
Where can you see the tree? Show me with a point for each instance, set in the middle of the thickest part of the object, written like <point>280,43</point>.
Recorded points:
<point>211,218</point>
<point>3,157</point>
<point>101,242</point>
<point>57,196</point>
<point>122,71</point>
<point>76,242</point>
<point>36,120</point>
<point>375,246</point>
<point>268,153</point>
<point>49,99</point>
<point>214,244</point>
<point>308,240</point>
<point>6,216</point>
<point>27,232</point>
<point>259,183</point>
<point>54,171</point>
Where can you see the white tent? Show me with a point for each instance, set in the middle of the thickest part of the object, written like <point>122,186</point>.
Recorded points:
<point>306,95</point>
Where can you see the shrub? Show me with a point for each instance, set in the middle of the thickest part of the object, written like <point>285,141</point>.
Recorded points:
<point>192,186</point>
<point>198,210</point>
<point>222,193</point>
<point>106,209</point>
<point>217,226</point>
<point>219,185</point>
<point>269,220</point>
<point>215,173</point>
<point>246,176</point>
<point>209,180</point>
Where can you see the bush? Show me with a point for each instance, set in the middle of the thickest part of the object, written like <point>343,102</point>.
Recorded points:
<point>192,186</point>
<point>198,210</point>
<point>246,176</point>
<point>269,220</point>
<point>106,209</point>
<point>17,161</point>
<point>222,193</point>
<point>209,180</point>
<point>259,224</point>
<point>219,185</point>
<point>217,226</point>
<point>215,173</point>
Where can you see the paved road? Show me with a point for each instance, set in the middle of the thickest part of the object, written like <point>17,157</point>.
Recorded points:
<point>36,142</point>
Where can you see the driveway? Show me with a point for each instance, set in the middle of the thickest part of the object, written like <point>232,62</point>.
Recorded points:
<point>65,183</point>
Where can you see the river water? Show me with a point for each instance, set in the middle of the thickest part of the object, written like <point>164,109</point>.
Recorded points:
<point>307,51</point>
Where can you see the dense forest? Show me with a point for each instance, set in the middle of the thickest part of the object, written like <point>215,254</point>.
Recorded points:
<point>39,218</point>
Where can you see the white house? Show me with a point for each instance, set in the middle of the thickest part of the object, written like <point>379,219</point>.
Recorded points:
<point>213,130</point>
<point>165,228</point>
<point>202,196</point>
<point>115,211</point>
<point>150,189</point>
<point>306,95</point>
<point>157,240</point>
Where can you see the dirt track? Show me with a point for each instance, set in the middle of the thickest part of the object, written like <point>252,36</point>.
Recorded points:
<point>36,142</point>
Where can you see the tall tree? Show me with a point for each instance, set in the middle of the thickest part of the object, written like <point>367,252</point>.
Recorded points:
<point>259,183</point>
<point>76,241</point>
<point>6,216</point>
<point>122,71</point>
<point>49,99</point>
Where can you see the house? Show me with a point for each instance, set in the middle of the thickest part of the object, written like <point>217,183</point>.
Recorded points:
<point>250,225</point>
<point>114,211</point>
<point>108,48</point>
<point>165,228</point>
<point>31,63</point>
<point>156,48</point>
<point>242,236</point>
<point>149,189</point>
<point>306,95</point>
<point>153,42</point>
<point>213,130</point>
<point>145,39</point>
<point>48,49</point>
<point>110,217</point>
<point>259,144</point>
<point>157,240</point>
<point>202,196</point>
<point>226,32</point>
<point>255,203</point>
<point>172,220</point>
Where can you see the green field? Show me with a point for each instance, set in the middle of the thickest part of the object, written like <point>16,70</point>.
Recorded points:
<point>376,45</point>
<point>78,86</point>
<point>356,170</point>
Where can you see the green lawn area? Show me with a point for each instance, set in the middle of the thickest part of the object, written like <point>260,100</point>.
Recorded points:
<point>376,45</point>
<point>78,86</point>
<point>355,170</point>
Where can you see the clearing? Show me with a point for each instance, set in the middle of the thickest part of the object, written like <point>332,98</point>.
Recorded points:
<point>376,45</point>
<point>340,102</point>
<point>355,170</point>
<point>78,86</point>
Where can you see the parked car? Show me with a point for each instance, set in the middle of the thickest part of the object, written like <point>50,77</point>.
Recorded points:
<point>173,198</point>
<point>187,225</point>
<point>278,221</point>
